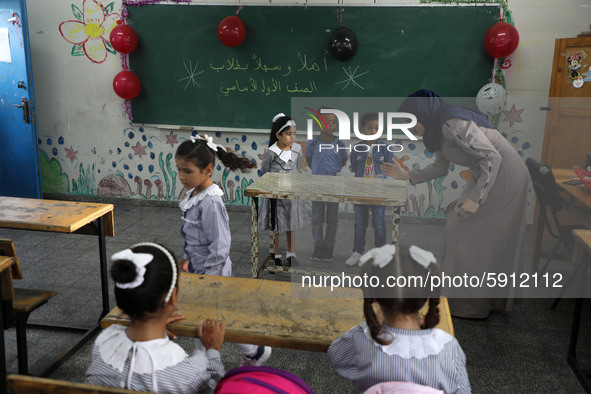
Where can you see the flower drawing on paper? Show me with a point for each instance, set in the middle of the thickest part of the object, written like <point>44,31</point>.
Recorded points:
<point>89,33</point>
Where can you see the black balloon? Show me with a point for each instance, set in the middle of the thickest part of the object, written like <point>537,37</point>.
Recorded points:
<point>343,44</point>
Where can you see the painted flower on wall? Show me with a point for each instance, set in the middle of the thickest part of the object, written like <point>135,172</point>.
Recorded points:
<point>90,31</point>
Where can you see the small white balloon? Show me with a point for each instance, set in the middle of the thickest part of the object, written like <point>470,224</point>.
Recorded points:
<point>491,99</point>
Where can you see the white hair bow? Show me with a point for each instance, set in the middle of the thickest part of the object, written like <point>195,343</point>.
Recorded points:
<point>383,255</point>
<point>289,123</point>
<point>278,116</point>
<point>422,256</point>
<point>209,141</point>
<point>140,260</point>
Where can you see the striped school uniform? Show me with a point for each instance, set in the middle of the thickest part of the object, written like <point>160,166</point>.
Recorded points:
<point>159,365</point>
<point>428,357</point>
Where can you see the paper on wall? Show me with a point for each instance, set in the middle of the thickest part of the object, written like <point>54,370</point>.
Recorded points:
<point>4,46</point>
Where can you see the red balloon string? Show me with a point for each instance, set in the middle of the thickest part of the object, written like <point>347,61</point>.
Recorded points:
<point>127,107</point>
<point>238,10</point>
<point>124,65</point>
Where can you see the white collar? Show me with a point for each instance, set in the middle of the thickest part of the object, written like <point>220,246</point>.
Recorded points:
<point>284,155</point>
<point>412,346</point>
<point>114,345</point>
<point>189,202</point>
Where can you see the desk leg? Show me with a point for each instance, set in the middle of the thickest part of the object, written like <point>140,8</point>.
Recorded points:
<point>255,240</point>
<point>574,331</point>
<point>538,232</point>
<point>3,386</point>
<point>103,263</point>
<point>395,225</point>
<point>583,376</point>
<point>90,333</point>
<point>272,245</point>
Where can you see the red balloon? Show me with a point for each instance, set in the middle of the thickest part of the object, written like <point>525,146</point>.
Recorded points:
<point>123,38</point>
<point>127,85</point>
<point>231,31</point>
<point>501,40</point>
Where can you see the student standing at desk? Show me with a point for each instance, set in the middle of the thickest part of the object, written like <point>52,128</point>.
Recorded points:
<point>485,232</point>
<point>323,161</point>
<point>284,155</point>
<point>369,165</point>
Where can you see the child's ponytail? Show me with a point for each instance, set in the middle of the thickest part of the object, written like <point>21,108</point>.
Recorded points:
<point>432,316</point>
<point>375,328</point>
<point>233,161</point>
<point>123,271</point>
<point>201,151</point>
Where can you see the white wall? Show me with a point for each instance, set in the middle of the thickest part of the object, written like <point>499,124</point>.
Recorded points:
<point>77,108</point>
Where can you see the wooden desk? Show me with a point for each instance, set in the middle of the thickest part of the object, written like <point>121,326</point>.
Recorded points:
<point>370,191</point>
<point>64,217</point>
<point>578,195</point>
<point>266,312</point>
<point>53,215</point>
<point>581,256</point>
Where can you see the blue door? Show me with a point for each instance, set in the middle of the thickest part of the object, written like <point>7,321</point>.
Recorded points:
<point>19,159</point>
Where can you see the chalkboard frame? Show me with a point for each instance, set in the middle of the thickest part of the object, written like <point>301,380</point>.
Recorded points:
<point>135,60</point>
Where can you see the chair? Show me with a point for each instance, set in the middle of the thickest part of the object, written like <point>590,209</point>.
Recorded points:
<point>551,202</point>
<point>18,303</point>
<point>28,384</point>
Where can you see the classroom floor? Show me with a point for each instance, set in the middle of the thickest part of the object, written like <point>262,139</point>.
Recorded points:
<point>523,351</point>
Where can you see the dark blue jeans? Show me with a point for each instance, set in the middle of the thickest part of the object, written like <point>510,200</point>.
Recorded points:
<point>321,212</point>
<point>378,218</point>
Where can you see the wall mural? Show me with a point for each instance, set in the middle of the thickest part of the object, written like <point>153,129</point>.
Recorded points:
<point>143,166</point>
<point>89,32</point>
<point>52,177</point>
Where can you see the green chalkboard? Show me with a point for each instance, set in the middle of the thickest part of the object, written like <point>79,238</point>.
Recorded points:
<point>190,78</point>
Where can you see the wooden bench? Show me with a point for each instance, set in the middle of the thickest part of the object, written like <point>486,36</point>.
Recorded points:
<point>17,304</point>
<point>29,384</point>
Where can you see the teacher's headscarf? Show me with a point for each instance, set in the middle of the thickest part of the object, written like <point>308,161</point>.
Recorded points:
<point>432,112</point>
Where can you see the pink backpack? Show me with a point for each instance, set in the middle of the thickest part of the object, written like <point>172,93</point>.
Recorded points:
<point>261,380</point>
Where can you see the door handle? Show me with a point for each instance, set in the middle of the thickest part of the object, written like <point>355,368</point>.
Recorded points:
<point>25,107</point>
